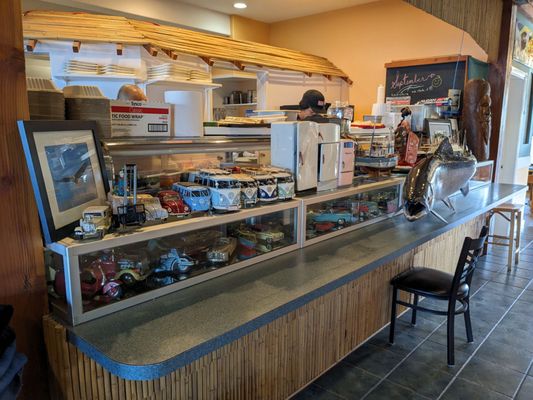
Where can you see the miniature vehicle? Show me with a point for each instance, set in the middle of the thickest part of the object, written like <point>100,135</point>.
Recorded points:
<point>340,218</point>
<point>196,197</point>
<point>244,252</point>
<point>246,237</point>
<point>129,212</point>
<point>266,234</point>
<point>173,203</point>
<point>324,226</point>
<point>152,208</point>
<point>222,250</point>
<point>285,182</point>
<point>249,189</point>
<point>113,290</point>
<point>130,272</point>
<point>268,188</point>
<point>204,174</point>
<point>174,261</point>
<point>225,192</point>
<point>95,222</point>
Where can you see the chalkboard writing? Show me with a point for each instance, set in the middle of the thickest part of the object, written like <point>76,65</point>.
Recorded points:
<point>424,82</point>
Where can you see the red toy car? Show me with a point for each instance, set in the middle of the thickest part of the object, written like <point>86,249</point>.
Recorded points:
<point>173,203</point>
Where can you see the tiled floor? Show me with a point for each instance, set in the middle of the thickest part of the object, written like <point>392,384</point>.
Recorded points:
<point>498,365</point>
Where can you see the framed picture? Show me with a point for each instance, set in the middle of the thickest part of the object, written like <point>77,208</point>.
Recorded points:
<point>67,172</point>
<point>438,129</point>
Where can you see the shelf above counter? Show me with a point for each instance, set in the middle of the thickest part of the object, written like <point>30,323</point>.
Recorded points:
<point>191,85</point>
<point>239,105</point>
<point>100,77</point>
<point>128,147</point>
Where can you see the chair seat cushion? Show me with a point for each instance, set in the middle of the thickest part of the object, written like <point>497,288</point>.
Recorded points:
<point>429,282</point>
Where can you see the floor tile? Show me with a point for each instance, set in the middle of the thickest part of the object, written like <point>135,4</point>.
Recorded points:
<point>315,392</point>
<point>374,359</point>
<point>509,279</point>
<point>404,342</point>
<point>461,389</point>
<point>510,356</point>
<point>421,378</point>
<point>517,321</point>
<point>497,287</point>
<point>527,296</point>
<point>521,272</point>
<point>513,336</point>
<point>492,376</point>
<point>435,355</point>
<point>423,327</point>
<point>391,391</point>
<point>524,307</point>
<point>526,390</point>
<point>347,381</point>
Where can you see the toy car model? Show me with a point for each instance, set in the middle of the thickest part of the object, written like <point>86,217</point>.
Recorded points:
<point>249,189</point>
<point>339,218</point>
<point>246,237</point>
<point>152,208</point>
<point>130,272</point>
<point>244,252</point>
<point>267,234</point>
<point>285,182</point>
<point>196,197</point>
<point>322,227</point>
<point>222,250</point>
<point>268,188</point>
<point>94,224</point>
<point>173,203</point>
<point>174,261</point>
<point>225,192</point>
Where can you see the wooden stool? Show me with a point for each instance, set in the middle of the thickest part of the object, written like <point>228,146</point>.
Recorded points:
<point>512,213</point>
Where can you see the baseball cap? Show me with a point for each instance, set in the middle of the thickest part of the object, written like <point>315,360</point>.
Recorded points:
<point>314,99</point>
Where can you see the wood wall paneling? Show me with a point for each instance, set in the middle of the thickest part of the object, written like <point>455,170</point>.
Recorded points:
<point>272,362</point>
<point>22,281</point>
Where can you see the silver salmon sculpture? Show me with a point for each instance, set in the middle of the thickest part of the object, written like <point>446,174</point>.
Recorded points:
<point>437,178</point>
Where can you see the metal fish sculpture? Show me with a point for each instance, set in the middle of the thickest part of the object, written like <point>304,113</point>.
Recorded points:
<point>436,178</point>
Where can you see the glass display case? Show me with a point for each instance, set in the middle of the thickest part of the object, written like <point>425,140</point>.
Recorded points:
<point>329,214</point>
<point>95,278</point>
<point>483,175</point>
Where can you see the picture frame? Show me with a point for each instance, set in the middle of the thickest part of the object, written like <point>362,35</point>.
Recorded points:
<point>438,128</point>
<point>67,171</point>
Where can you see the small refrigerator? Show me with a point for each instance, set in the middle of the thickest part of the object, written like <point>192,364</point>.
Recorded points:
<point>294,146</point>
<point>346,162</point>
<point>329,136</point>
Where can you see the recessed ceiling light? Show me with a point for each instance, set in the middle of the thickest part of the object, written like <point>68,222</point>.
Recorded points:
<point>239,5</point>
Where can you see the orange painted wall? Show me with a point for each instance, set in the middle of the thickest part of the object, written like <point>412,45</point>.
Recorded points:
<point>249,29</point>
<point>361,39</point>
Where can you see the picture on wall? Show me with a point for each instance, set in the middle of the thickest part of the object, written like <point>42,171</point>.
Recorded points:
<point>66,167</point>
<point>523,41</point>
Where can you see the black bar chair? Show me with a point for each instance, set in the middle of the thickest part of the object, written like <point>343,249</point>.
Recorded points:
<point>440,285</point>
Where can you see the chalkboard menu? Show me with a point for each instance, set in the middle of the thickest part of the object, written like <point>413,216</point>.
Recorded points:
<point>425,82</point>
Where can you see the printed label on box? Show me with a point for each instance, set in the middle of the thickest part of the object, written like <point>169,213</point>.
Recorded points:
<point>139,118</point>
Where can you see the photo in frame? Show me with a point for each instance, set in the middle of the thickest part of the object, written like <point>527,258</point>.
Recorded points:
<point>67,172</point>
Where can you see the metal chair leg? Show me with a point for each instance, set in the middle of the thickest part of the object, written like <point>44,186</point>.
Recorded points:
<point>487,223</point>
<point>451,334</point>
<point>468,324</point>
<point>413,316</point>
<point>393,315</point>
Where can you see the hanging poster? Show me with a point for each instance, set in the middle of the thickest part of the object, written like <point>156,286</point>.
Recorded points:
<point>523,41</point>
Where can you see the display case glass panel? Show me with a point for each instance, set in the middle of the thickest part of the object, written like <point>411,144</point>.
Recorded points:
<point>342,210</point>
<point>126,269</point>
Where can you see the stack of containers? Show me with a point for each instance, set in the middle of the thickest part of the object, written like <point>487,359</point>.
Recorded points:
<point>46,101</point>
<point>89,103</point>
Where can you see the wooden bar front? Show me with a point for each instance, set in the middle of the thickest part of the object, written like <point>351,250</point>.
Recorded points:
<point>272,362</point>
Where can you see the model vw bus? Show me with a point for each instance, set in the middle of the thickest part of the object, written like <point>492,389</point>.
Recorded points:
<point>205,173</point>
<point>225,192</point>
<point>285,182</point>
<point>196,197</point>
<point>248,190</point>
<point>268,188</point>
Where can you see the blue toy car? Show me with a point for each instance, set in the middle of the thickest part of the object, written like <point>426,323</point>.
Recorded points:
<point>197,197</point>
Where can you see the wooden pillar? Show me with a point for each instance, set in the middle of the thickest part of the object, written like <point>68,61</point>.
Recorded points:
<point>499,70</point>
<point>22,281</point>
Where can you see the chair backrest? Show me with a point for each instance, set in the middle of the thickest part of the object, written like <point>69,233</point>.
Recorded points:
<point>468,258</point>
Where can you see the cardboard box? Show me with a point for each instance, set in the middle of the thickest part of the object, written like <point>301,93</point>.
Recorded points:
<point>140,119</point>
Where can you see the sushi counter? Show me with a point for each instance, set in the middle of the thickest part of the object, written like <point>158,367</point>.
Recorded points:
<point>267,330</point>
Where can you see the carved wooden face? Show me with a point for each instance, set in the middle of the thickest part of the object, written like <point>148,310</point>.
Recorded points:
<point>483,111</point>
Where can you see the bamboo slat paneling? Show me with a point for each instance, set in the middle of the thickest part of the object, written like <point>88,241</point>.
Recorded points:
<point>55,25</point>
<point>480,18</point>
<point>272,362</point>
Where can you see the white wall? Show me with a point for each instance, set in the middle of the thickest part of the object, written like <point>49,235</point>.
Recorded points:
<point>170,12</point>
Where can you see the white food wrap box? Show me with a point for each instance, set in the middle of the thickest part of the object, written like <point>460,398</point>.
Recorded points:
<point>140,118</point>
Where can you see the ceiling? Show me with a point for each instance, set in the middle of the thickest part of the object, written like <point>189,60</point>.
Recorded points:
<point>276,10</point>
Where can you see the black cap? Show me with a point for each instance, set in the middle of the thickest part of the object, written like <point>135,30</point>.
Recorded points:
<point>314,99</point>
